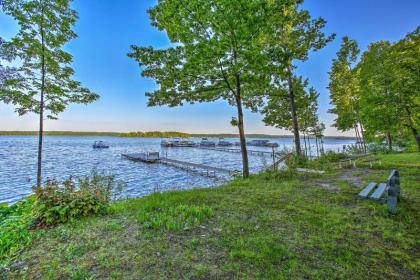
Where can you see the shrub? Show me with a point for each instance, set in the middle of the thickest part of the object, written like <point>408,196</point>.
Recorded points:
<point>332,157</point>
<point>75,198</point>
<point>294,161</point>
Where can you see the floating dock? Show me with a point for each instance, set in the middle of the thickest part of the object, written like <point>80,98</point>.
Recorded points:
<point>237,151</point>
<point>201,169</point>
<point>151,157</point>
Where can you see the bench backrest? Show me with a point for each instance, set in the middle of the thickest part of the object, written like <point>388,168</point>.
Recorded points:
<point>393,191</point>
<point>394,178</point>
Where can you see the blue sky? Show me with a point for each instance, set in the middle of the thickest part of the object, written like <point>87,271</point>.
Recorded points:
<point>107,28</point>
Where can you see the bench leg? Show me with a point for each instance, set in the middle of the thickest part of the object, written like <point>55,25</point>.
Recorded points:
<point>392,200</point>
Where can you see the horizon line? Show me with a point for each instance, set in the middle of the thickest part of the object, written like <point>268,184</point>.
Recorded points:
<point>31,132</point>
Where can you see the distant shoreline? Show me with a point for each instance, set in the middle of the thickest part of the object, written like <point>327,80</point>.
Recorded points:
<point>149,134</point>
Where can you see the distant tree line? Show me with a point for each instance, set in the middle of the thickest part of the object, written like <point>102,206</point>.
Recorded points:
<point>378,93</point>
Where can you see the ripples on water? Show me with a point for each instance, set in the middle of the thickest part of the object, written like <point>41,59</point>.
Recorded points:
<point>64,156</point>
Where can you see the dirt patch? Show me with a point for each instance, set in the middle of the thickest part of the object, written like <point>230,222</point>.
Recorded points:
<point>327,187</point>
<point>349,176</point>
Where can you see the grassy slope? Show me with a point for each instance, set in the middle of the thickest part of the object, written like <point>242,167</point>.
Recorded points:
<point>264,227</point>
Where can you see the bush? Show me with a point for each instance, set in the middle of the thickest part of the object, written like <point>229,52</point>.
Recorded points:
<point>73,199</point>
<point>294,161</point>
<point>332,157</point>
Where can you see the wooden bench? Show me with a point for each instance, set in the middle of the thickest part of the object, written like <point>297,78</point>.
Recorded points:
<point>388,192</point>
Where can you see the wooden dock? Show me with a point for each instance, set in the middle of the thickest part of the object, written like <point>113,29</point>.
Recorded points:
<point>237,151</point>
<point>201,169</point>
<point>152,157</point>
<point>205,170</point>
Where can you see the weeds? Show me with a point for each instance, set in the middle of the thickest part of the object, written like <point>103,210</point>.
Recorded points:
<point>92,194</point>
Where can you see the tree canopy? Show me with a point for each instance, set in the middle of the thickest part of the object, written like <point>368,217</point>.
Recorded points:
<point>218,52</point>
<point>380,91</point>
<point>43,81</point>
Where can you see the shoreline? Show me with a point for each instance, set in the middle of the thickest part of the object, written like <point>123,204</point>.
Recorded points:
<point>152,134</point>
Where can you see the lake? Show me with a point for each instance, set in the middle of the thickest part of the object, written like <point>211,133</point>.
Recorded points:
<point>73,155</point>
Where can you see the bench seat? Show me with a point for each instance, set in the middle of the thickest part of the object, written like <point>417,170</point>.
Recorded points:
<point>377,194</point>
<point>366,191</point>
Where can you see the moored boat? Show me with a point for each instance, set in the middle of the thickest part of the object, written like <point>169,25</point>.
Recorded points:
<point>262,143</point>
<point>206,143</point>
<point>223,143</point>
<point>99,145</point>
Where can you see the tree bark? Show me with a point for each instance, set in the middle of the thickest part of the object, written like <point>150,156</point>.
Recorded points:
<point>41,110</point>
<point>245,165</point>
<point>416,136</point>
<point>362,134</point>
<point>412,127</point>
<point>293,110</point>
<point>358,142</point>
<point>389,140</point>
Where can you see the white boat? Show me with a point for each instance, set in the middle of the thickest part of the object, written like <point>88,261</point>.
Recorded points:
<point>177,143</point>
<point>206,143</point>
<point>166,143</point>
<point>99,145</point>
<point>262,143</point>
<point>224,143</point>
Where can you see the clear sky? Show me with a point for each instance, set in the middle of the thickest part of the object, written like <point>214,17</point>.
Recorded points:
<point>107,28</point>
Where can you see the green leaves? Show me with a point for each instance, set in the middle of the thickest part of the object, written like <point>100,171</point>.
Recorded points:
<point>45,26</point>
<point>344,86</point>
<point>215,41</point>
<point>277,112</point>
<point>381,90</point>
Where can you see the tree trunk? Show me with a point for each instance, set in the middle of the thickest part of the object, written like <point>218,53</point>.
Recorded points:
<point>293,110</point>
<point>416,136</point>
<point>41,111</point>
<point>412,127</point>
<point>389,140</point>
<point>245,167</point>
<point>356,131</point>
<point>308,136</point>
<point>304,142</point>
<point>362,136</point>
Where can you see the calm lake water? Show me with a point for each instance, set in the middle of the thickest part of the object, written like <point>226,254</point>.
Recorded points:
<point>74,155</point>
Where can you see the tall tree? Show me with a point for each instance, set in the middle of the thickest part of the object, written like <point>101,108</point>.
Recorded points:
<point>278,112</point>
<point>46,87</point>
<point>344,88</point>
<point>294,34</point>
<point>404,58</point>
<point>379,107</point>
<point>217,53</point>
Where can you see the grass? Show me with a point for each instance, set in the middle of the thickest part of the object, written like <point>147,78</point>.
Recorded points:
<point>270,226</point>
<point>14,223</point>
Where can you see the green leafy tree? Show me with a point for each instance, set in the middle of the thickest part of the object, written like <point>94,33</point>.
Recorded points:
<point>344,88</point>
<point>278,112</point>
<point>378,101</point>
<point>218,52</point>
<point>46,86</point>
<point>404,58</point>
<point>294,34</point>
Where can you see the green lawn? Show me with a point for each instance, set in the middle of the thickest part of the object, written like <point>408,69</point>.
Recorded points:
<point>283,226</point>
